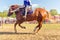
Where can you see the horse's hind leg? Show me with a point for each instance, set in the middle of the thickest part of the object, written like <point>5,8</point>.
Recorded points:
<point>38,27</point>
<point>15,27</point>
<point>21,26</point>
<point>39,19</point>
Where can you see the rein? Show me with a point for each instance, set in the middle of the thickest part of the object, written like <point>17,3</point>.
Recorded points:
<point>15,10</point>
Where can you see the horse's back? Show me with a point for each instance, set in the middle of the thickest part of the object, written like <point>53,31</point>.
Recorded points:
<point>41,11</point>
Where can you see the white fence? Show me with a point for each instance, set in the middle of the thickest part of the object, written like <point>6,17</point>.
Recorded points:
<point>7,20</point>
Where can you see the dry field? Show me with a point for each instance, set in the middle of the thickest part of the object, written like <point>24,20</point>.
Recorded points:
<point>47,32</point>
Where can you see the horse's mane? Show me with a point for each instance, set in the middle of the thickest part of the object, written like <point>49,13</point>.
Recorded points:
<point>15,5</point>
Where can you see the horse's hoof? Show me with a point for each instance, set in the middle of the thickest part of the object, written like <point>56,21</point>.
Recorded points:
<point>35,31</point>
<point>24,27</point>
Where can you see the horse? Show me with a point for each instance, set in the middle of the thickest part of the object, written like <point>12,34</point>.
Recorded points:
<point>39,15</point>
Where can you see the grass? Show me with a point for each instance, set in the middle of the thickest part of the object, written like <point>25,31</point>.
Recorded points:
<point>44,26</point>
<point>51,26</point>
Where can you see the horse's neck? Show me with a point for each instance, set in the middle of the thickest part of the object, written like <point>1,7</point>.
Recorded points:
<point>18,15</point>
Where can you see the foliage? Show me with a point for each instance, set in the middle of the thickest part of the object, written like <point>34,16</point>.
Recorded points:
<point>53,12</point>
<point>4,14</point>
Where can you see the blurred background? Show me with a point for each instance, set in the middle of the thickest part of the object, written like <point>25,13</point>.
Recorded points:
<point>51,6</point>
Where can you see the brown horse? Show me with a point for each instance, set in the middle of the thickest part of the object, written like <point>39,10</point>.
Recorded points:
<point>39,15</point>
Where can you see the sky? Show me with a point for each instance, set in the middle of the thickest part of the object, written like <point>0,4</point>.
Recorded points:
<point>47,4</point>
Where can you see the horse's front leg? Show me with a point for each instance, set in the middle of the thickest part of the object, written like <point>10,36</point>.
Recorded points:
<point>15,27</point>
<point>21,26</point>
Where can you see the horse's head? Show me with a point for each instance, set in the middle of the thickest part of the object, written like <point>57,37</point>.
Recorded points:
<point>12,9</point>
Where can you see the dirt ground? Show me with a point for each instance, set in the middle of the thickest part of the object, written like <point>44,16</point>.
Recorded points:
<point>46,33</point>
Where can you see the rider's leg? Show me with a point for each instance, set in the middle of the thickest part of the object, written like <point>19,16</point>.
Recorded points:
<point>25,12</point>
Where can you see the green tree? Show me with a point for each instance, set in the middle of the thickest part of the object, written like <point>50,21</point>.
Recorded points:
<point>53,12</point>
<point>4,14</point>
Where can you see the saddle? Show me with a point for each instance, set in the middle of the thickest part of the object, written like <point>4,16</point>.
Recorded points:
<point>29,10</point>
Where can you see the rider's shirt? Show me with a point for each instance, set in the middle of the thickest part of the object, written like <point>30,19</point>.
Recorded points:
<point>27,0</point>
<point>27,3</point>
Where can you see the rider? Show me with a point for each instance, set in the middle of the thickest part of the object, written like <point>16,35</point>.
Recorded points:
<point>27,3</point>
